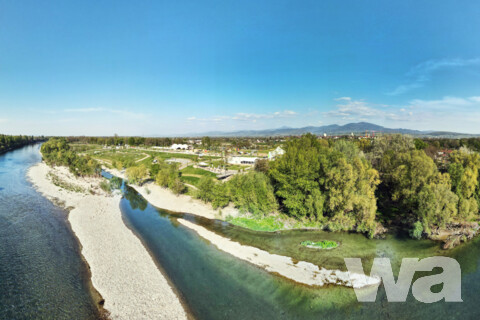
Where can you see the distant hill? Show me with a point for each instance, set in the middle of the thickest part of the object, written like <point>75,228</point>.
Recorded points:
<point>334,129</point>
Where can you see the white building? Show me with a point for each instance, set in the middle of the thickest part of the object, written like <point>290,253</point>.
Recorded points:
<point>242,160</point>
<point>179,146</point>
<point>275,153</point>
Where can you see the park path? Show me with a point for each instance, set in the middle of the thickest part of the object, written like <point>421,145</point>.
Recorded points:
<point>146,157</point>
<point>191,186</point>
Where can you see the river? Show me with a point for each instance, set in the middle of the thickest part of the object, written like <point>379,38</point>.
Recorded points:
<point>43,275</point>
<point>216,285</point>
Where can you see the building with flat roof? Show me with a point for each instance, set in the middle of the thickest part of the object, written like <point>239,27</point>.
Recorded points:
<point>242,160</point>
<point>179,146</point>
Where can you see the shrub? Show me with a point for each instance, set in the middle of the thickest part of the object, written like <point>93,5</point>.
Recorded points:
<point>221,197</point>
<point>105,186</point>
<point>205,189</point>
<point>417,230</point>
<point>252,192</point>
<point>136,174</point>
<point>177,186</point>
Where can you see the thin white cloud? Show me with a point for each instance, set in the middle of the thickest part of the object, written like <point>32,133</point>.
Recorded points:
<point>447,114</point>
<point>359,110</point>
<point>449,104</point>
<point>422,73</point>
<point>475,99</point>
<point>3,120</point>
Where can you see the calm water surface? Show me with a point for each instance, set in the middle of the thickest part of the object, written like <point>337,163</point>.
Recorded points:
<point>217,286</point>
<point>42,275</point>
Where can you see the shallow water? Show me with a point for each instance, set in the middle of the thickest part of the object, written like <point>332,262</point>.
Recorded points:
<point>216,285</point>
<point>42,275</point>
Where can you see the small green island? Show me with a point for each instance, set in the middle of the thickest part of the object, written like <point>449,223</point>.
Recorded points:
<point>325,244</point>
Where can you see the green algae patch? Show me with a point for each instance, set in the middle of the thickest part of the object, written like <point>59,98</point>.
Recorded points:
<point>325,244</point>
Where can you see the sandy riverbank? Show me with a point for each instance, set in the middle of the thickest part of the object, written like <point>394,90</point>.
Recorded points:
<point>165,199</point>
<point>123,271</point>
<point>301,271</point>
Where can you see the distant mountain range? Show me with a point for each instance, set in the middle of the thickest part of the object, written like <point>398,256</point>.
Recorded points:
<point>334,129</point>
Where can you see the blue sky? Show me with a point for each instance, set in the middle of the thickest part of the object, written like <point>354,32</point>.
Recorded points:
<point>170,67</point>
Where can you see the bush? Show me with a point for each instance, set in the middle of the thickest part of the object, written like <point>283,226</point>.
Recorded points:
<point>221,197</point>
<point>105,186</point>
<point>205,189</point>
<point>269,223</point>
<point>177,186</point>
<point>417,230</point>
<point>166,175</point>
<point>136,174</point>
<point>252,192</point>
<point>262,165</point>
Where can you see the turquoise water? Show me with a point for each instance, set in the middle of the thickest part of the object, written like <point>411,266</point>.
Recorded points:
<point>217,286</point>
<point>42,275</point>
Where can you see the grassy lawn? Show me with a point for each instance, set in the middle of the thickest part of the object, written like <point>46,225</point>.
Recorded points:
<point>169,155</point>
<point>129,157</point>
<point>269,223</point>
<point>80,147</point>
<point>117,155</point>
<point>190,170</point>
<point>190,180</point>
<point>274,223</point>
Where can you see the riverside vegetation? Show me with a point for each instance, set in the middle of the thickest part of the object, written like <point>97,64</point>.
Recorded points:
<point>362,185</point>
<point>57,152</point>
<point>8,143</point>
<point>325,244</point>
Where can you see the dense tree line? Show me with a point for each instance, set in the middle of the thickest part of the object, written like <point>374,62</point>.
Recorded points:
<point>11,142</point>
<point>352,185</point>
<point>121,141</point>
<point>251,192</point>
<point>365,145</point>
<point>211,143</point>
<point>332,185</point>
<point>345,184</point>
<point>417,194</point>
<point>57,152</point>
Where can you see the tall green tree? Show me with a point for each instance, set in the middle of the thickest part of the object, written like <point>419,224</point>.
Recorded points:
<point>336,186</point>
<point>297,177</point>
<point>252,192</point>
<point>464,170</point>
<point>395,143</point>
<point>437,205</point>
